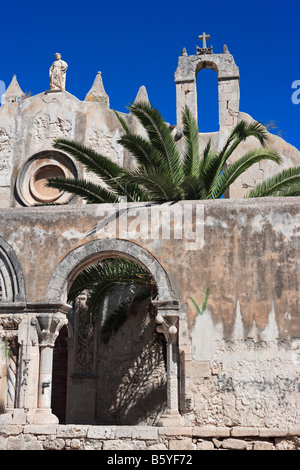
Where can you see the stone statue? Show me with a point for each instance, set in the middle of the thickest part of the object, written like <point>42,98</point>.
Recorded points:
<point>58,74</point>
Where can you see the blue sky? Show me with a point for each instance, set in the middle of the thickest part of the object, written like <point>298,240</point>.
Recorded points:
<point>138,43</point>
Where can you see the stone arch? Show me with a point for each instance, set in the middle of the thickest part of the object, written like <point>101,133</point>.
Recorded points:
<point>76,260</point>
<point>11,275</point>
<point>167,307</point>
<point>228,85</point>
<point>207,64</point>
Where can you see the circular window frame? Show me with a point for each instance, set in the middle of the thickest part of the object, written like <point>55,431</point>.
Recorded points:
<point>32,183</point>
<point>27,193</point>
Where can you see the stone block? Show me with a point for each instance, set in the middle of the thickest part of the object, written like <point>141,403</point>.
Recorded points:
<point>119,444</point>
<point>19,416</point>
<point>101,432</point>
<point>294,432</point>
<point>3,443</point>
<point>205,445</point>
<point>16,443</point>
<point>197,369</point>
<point>263,445</point>
<point>54,444</point>
<point>211,431</point>
<point>244,431</point>
<point>145,433</point>
<point>10,430</point>
<point>32,443</point>
<point>40,429</point>
<point>177,431</point>
<point>93,444</point>
<point>72,431</point>
<point>181,444</point>
<point>273,432</point>
<point>234,444</point>
<point>123,432</point>
<point>154,447</point>
<point>75,444</point>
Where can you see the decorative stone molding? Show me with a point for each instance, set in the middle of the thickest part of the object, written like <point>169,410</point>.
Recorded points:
<point>30,184</point>
<point>48,326</point>
<point>9,325</point>
<point>11,276</point>
<point>70,266</point>
<point>167,319</point>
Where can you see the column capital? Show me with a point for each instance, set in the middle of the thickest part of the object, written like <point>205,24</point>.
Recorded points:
<point>167,319</point>
<point>48,327</point>
<point>9,326</point>
<point>48,318</point>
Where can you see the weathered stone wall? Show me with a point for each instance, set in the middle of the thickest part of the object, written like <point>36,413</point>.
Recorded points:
<point>141,438</point>
<point>28,129</point>
<point>239,361</point>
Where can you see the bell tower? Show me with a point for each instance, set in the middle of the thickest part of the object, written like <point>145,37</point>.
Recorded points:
<point>228,83</point>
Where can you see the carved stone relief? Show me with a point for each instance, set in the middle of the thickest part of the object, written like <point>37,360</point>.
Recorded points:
<point>44,128</point>
<point>85,339</point>
<point>99,141</point>
<point>5,153</point>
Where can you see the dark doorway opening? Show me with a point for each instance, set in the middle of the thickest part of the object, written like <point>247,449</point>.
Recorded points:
<point>59,377</point>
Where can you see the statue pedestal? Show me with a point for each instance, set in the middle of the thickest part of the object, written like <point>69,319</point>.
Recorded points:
<point>53,91</point>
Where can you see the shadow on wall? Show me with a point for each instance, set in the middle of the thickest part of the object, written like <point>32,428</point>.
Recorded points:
<point>131,368</point>
<point>122,381</point>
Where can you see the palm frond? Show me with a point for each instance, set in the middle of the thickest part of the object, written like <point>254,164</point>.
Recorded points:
<point>194,188</point>
<point>117,271</point>
<point>105,278</point>
<point>143,151</point>
<point>160,137</point>
<point>282,184</point>
<point>191,161</point>
<point>239,134</point>
<point>122,122</point>
<point>209,166</point>
<point>4,350</point>
<point>157,184</point>
<point>92,193</point>
<point>231,173</point>
<point>102,166</point>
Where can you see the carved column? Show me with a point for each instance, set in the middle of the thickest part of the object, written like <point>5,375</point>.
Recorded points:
<point>49,325</point>
<point>9,333</point>
<point>167,320</point>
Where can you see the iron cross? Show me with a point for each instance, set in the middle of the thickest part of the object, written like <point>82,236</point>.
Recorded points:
<point>203,38</point>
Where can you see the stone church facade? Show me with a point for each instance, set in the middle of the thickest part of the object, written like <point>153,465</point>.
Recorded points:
<point>228,378</point>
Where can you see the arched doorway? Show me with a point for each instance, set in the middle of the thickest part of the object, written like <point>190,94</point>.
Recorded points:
<point>125,380</point>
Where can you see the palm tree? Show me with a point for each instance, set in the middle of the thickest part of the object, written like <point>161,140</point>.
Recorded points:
<point>161,174</point>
